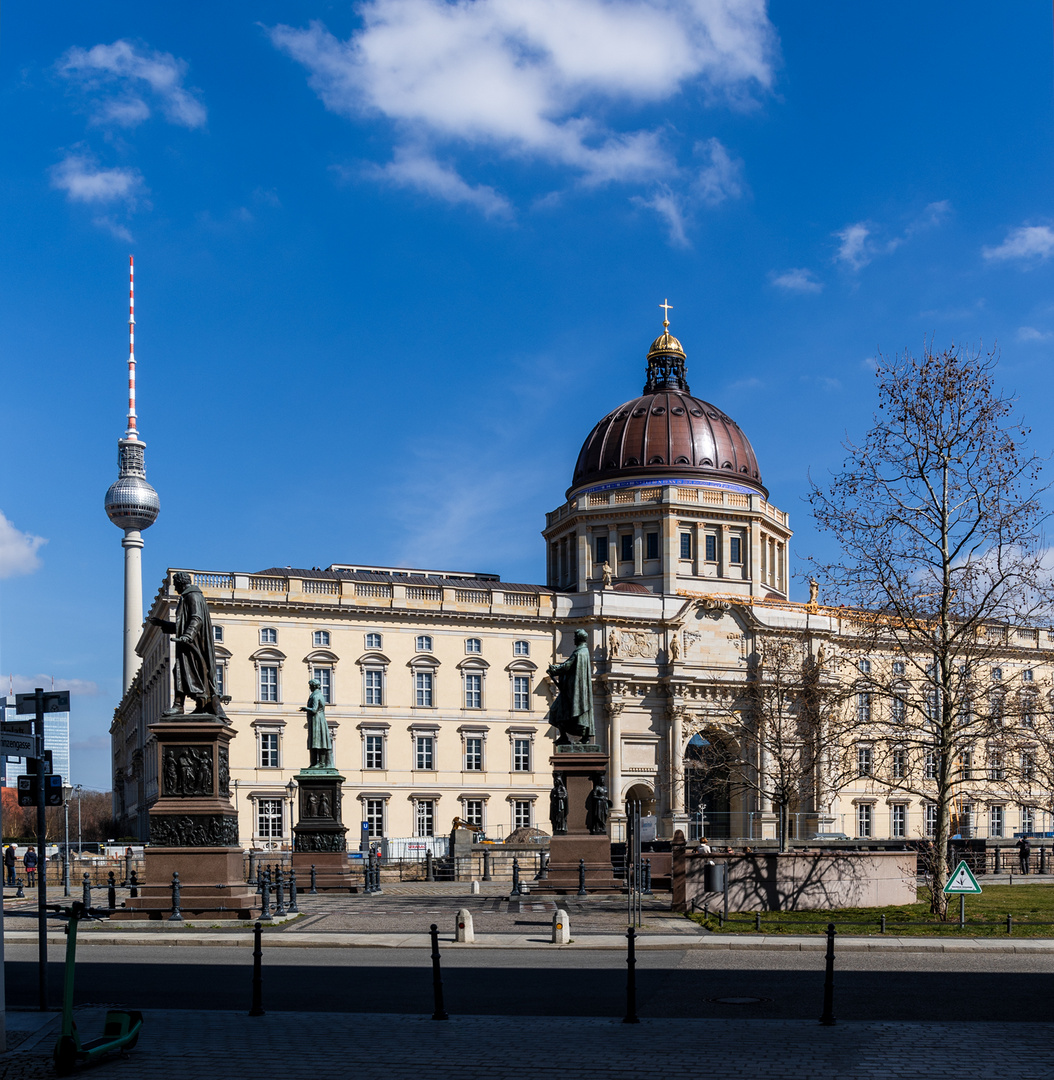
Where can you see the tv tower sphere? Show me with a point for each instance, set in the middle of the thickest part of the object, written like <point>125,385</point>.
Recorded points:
<point>131,502</point>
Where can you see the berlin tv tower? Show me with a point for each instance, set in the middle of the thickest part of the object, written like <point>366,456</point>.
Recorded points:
<point>132,504</point>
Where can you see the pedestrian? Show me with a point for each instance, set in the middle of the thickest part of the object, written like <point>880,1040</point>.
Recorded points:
<point>30,861</point>
<point>9,863</point>
<point>1024,851</point>
<point>704,847</point>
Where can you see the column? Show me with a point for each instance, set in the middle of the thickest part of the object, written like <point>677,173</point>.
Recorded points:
<point>757,584</point>
<point>669,549</point>
<point>613,550</point>
<point>676,769</point>
<point>614,711</point>
<point>585,561</point>
<point>698,549</point>
<point>722,550</point>
<point>133,601</point>
<point>638,548</point>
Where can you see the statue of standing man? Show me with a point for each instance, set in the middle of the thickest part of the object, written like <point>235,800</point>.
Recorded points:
<point>572,711</point>
<point>319,740</point>
<point>195,667</point>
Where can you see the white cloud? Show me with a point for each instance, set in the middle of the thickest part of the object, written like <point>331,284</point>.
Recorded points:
<point>417,169</point>
<point>856,249</point>
<point>120,77</point>
<point>670,207</point>
<point>799,280</point>
<point>1028,242</point>
<point>26,684</point>
<point>860,242</point>
<point>535,78</point>
<point>18,550</point>
<point>83,181</point>
<point>1030,333</point>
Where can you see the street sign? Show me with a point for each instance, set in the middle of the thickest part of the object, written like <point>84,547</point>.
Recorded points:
<point>962,880</point>
<point>54,701</point>
<point>52,790</point>
<point>16,727</point>
<point>17,745</point>
<point>27,791</point>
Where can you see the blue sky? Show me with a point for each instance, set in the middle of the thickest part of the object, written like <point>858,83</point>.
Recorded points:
<point>394,259</point>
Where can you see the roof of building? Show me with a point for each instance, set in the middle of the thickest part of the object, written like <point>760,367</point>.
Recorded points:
<point>437,581</point>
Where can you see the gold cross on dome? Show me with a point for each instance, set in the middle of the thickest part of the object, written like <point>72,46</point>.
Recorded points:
<point>667,307</point>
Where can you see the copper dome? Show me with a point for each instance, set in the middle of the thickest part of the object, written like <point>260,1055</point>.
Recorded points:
<point>666,433</point>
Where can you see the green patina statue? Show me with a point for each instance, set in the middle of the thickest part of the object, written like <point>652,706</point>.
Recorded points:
<point>319,740</point>
<point>572,711</point>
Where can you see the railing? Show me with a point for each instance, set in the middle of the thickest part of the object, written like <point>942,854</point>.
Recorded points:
<point>737,500</point>
<point>329,588</point>
<point>215,581</point>
<point>598,500</point>
<point>623,496</point>
<point>377,591</point>
<point>471,596</point>
<point>650,494</point>
<point>688,494</point>
<point>268,584</point>
<point>521,599</point>
<point>417,592</point>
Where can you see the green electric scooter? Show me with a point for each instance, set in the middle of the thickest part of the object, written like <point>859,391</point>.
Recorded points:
<point>121,1030</point>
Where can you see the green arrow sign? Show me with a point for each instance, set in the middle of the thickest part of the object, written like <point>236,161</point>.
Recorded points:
<point>962,880</point>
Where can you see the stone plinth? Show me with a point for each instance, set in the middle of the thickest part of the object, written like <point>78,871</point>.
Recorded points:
<point>193,827</point>
<point>320,836</point>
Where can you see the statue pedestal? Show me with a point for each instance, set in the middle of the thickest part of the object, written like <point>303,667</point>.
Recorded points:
<point>320,836</point>
<point>193,827</point>
<point>579,769</point>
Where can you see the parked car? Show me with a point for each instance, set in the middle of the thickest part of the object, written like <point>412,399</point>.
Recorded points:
<point>829,836</point>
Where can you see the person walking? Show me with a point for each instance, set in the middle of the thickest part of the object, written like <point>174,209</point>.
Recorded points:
<point>30,861</point>
<point>1024,852</point>
<point>9,863</point>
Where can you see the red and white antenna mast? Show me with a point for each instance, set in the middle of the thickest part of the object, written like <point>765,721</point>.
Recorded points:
<point>131,433</point>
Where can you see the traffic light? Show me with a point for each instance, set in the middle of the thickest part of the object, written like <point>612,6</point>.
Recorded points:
<point>27,791</point>
<point>52,790</point>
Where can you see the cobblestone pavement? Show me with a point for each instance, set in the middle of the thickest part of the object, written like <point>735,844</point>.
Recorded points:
<point>318,1046</point>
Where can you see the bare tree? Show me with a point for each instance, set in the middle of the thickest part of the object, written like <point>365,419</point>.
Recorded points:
<point>937,516</point>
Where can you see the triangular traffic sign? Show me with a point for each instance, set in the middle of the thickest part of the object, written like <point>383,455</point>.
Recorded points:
<point>962,880</point>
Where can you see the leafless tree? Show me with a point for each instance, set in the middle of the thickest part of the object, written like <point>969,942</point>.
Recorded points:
<point>937,515</point>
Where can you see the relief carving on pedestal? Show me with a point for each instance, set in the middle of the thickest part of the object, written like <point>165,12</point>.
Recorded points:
<point>187,771</point>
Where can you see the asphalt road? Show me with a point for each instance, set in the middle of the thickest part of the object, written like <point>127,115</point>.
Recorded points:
<point>670,983</point>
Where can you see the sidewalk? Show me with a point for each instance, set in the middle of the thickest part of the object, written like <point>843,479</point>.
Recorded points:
<point>197,1045</point>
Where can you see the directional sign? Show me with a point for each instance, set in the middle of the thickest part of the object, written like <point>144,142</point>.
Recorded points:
<point>16,745</point>
<point>54,701</point>
<point>16,727</point>
<point>962,880</point>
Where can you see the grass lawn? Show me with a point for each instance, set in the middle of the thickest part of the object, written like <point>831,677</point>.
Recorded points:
<point>1031,906</point>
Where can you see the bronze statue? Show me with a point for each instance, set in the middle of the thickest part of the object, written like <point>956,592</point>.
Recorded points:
<point>597,806</point>
<point>195,668</point>
<point>319,740</point>
<point>572,711</point>
<point>558,805</point>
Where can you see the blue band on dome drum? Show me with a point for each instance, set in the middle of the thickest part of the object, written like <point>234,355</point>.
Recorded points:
<point>666,481</point>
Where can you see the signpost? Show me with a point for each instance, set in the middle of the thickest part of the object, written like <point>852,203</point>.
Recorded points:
<point>962,882</point>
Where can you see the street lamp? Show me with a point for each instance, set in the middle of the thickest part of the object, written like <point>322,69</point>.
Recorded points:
<point>67,791</point>
<point>291,788</point>
<point>78,789</point>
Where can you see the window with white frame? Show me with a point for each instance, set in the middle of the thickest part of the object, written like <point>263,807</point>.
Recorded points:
<point>373,641</point>
<point>899,667</point>
<point>898,708</point>
<point>929,819</point>
<point>996,820</point>
<point>1028,819</point>
<point>221,678</point>
<point>900,763</point>
<point>423,689</point>
<point>320,638</point>
<point>373,686</point>
<point>966,714</point>
<point>424,752</point>
<point>898,822</point>
<point>472,812</point>
<point>929,768</point>
<point>473,645</point>
<point>268,682</point>
<point>269,819</point>
<point>864,760</point>
<point>268,636</point>
<point>864,820</point>
<point>966,765</point>
<point>473,691</point>
<point>864,666</point>
<point>424,817</point>
<point>373,751</point>
<point>521,813</point>
<point>933,705</point>
<point>521,755</point>
<point>997,673</point>
<point>473,753</point>
<point>1028,709</point>
<point>1027,675</point>
<point>217,632</point>
<point>324,675</point>
<point>521,692</point>
<point>996,768</point>
<point>997,707</point>
<point>1028,765</point>
<point>423,643</point>
<point>270,750</point>
<point>373,809</point>
<point>521,648</point>
<point>863,707</point>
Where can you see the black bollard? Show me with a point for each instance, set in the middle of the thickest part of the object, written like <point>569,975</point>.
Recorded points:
<point>647,878</point>
<point>293,909</point>
<point>882,924</point>
<point>251,879</point>
<point>86,891</point>
<point>997,864</point>
<point>486,866</point>
<point>314,888</point>
<point>127,866</point>
<point>437,977</point>
<point>582,877</point>
<point>111,892</point>
<point>757,921</point>
<point>631,978</point>
<point>1009,923</point>
<point>133,885</point>
<point>1042,859</point>
<point>265,894</point>
<point>19,891</point>
<point>256,1009</point>
<point>429,870</point>
<point>828,982</point>
<point>177,915</point>
<point>515,876</point>
<point>279,892</point>
<point>543,873</point>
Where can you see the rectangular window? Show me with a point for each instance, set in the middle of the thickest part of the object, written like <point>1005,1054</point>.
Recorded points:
<point>221,679</point>
<point>686,545</point>
<point>898,667</point>
<point>521,648</point>
<point>864,813</point>
<point>424,753</point>
<point>424,643</point>
<point>1028,820</point>
<point>521,755</point>
<point>864,667</point>
<point>602,549</point>
<point>1027,675</point>
<point>217,632</point>
<point>933,706</point>
<point>652,543</point>
<point>997,709</point>
<point>1028,765</point>
<point>269,750</point>
<point>473,691</point>
<point>996,820</point>
<point>930,766</point>
<point>711,547</point>
<point>966,765</point>
<point>474,754</point>
<point>374,752</point>
<point>929,819</point>
<point>319,638</point>
<point>373,641</point>
<point>735,549</point>
<point>268,684</point>
<point>374,686</point>
<point>996,769</point>
<point>473,645</point>
<point>863,760</point>
<point>863,708</point>
<point>472,813</point>
<point>268,636</point>
<point>521,813</point>
<point>423,689</point>
<point>899,822</point>
<point>1028,710</point>
<point>324,675</point>
<point>898,709</point>
<point>375,817</point>
<point>424,817</point>
<point>900,763</point>
<point>626,543</point>
<point>521,692</point>
<point>269,818</point>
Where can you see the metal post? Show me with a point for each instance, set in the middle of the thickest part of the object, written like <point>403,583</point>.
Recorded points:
<point>515,876</point>
<point>177,915</point>
<point>265,894</point>
<point>66,847</point>
<point>127,866</point>
<point>962,911</point>
<point>86,890</point>
<point>647,878</point>
<point>133,885</point>
<point>997,864</point>
<point>631,978</point>
<point>293,909</point>
<point>111,892</point>
<point>543,872</point>
<point>314,888</point>
<point>582,877</point>
<point>42,860</point>
<point>882,924</point>
<point>486,866</point>
<point>1009,923</point>
<point>757,921</point>
<point>429,869</point>
<point>279,889</point>
<point>828,982</point>
<point>437,977</point>
<point>256,1009</point>
<point>1042,859</point>
<point>251,880</point>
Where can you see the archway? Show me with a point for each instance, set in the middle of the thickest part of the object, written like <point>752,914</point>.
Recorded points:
<point>642,795</point>
<point>708,761</point>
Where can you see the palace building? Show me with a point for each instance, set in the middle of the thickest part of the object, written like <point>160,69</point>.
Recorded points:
<point>668,552</point>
